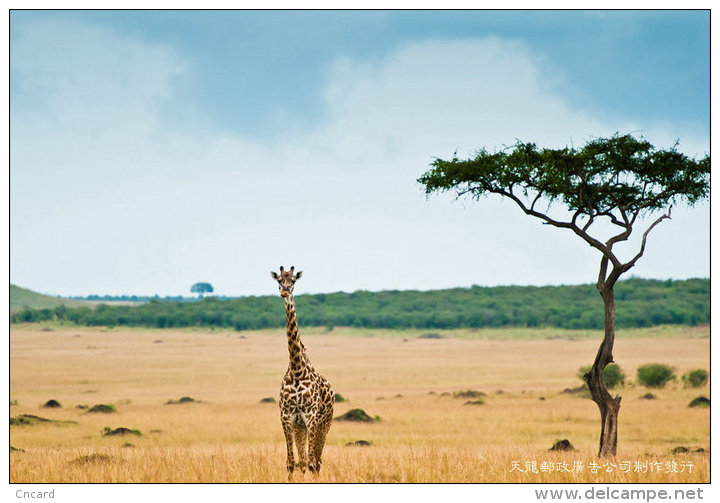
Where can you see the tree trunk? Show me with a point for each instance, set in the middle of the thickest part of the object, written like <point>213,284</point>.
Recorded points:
<point>609,406</point>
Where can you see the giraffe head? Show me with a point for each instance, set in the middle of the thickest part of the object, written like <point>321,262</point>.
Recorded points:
<point>286,280</point>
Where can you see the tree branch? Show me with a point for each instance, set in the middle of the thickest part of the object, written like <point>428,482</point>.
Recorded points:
<point>630,264</point>
<point>623,213</point>
<point>613,218</point>
<point>603,273</point>
<point>539,194</point>
<point>623,236</point>
<point>604,249</point>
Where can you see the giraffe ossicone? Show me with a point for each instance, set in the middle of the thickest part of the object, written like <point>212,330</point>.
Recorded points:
<point>306,398</point>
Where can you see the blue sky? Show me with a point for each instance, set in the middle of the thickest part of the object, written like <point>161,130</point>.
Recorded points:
<point>154,149</point>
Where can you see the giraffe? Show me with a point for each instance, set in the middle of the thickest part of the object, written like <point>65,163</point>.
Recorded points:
<point>306,398</point>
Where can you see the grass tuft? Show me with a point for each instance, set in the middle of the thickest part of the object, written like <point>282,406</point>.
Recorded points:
<point>93,458</point>
<point>103,408</point>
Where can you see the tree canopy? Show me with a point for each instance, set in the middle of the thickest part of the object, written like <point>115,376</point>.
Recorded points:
<point>201,288</point>
<point>618,177</point>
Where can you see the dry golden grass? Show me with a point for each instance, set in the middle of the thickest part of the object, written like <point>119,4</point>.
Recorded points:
<point>423,436</point>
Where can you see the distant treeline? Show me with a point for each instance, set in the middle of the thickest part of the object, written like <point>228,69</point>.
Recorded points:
<point>138,298</point>
<point>639,303</point>
<point>128,298</point>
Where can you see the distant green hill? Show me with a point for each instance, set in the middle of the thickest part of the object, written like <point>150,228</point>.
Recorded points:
<point>22,298</point>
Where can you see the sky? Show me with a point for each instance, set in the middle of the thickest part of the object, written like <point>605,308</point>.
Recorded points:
<point>150,150</point>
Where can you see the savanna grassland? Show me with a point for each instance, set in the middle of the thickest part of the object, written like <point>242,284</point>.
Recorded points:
<point>424,435</point>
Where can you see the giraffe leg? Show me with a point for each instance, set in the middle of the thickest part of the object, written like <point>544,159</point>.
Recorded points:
<point>319,444</point>
<point>287,429</point>
<point>301,446</point>
<point>312,440</point>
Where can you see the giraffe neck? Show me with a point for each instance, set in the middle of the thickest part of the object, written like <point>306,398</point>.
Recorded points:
<point>295,346</point>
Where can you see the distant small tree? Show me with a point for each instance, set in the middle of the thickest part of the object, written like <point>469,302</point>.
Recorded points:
<point>695,378</point>
<point>615,180</point>
<point>201,289</point>
<point>655,375</point>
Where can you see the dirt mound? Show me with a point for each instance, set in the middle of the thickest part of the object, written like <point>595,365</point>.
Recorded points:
<point>701,401</point>
<point>358,443</point>
<point>572,391</point>
<point>681,449</point>
<point>431,335</point>
<point>468,393</point>
<point>51,404</point>
<point>102,407</point>
<point>562,445</point>
<point>185,399</point>
<point>29,420</point>
<point>108,432</point>
<point>357,415</point>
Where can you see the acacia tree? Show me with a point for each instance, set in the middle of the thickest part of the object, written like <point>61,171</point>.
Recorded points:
<point>201,288</point>
<point>616,180</point>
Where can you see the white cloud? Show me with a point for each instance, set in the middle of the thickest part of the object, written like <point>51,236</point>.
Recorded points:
<point>88,79</point>
<point>108,197</point>
<point>452,94</point>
